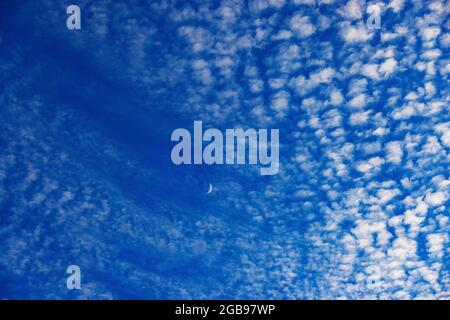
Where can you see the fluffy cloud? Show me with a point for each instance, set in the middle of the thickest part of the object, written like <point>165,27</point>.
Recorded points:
<point>302,26</point>
<point>358,210</point>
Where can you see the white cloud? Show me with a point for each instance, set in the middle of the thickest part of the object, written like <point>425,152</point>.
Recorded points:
<point>352,10</point>
<point>371,71</point>
<point>436,198</point>
<point>322,76</point>
<point>394,152</point>
<point>432,54</point>
<point>402,249</point>
<point>373,164</point>
<point>283,35</point>
<point>280,102</point>
<point>359,118</point>
<point>444,130</point>
<point>404,113</point>
<point>435,244</point>
<point>355,34</point>
<point>358,102</point>
<point>430,89</point>
<point>368,133</point>
<point>386,195</point>
<point>308,2</point>
<point>388,67</point>
<point>336,97</point>
<point>396,5</point>
<point>430,33</point>
<point>302,26</point>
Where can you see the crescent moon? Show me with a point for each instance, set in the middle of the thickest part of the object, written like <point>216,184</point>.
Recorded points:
<point>210,189</point>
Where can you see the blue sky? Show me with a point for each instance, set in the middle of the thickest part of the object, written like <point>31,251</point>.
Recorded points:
<point>359,208</point>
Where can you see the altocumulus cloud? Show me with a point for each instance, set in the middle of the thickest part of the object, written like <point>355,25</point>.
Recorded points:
<point>359,208</point>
